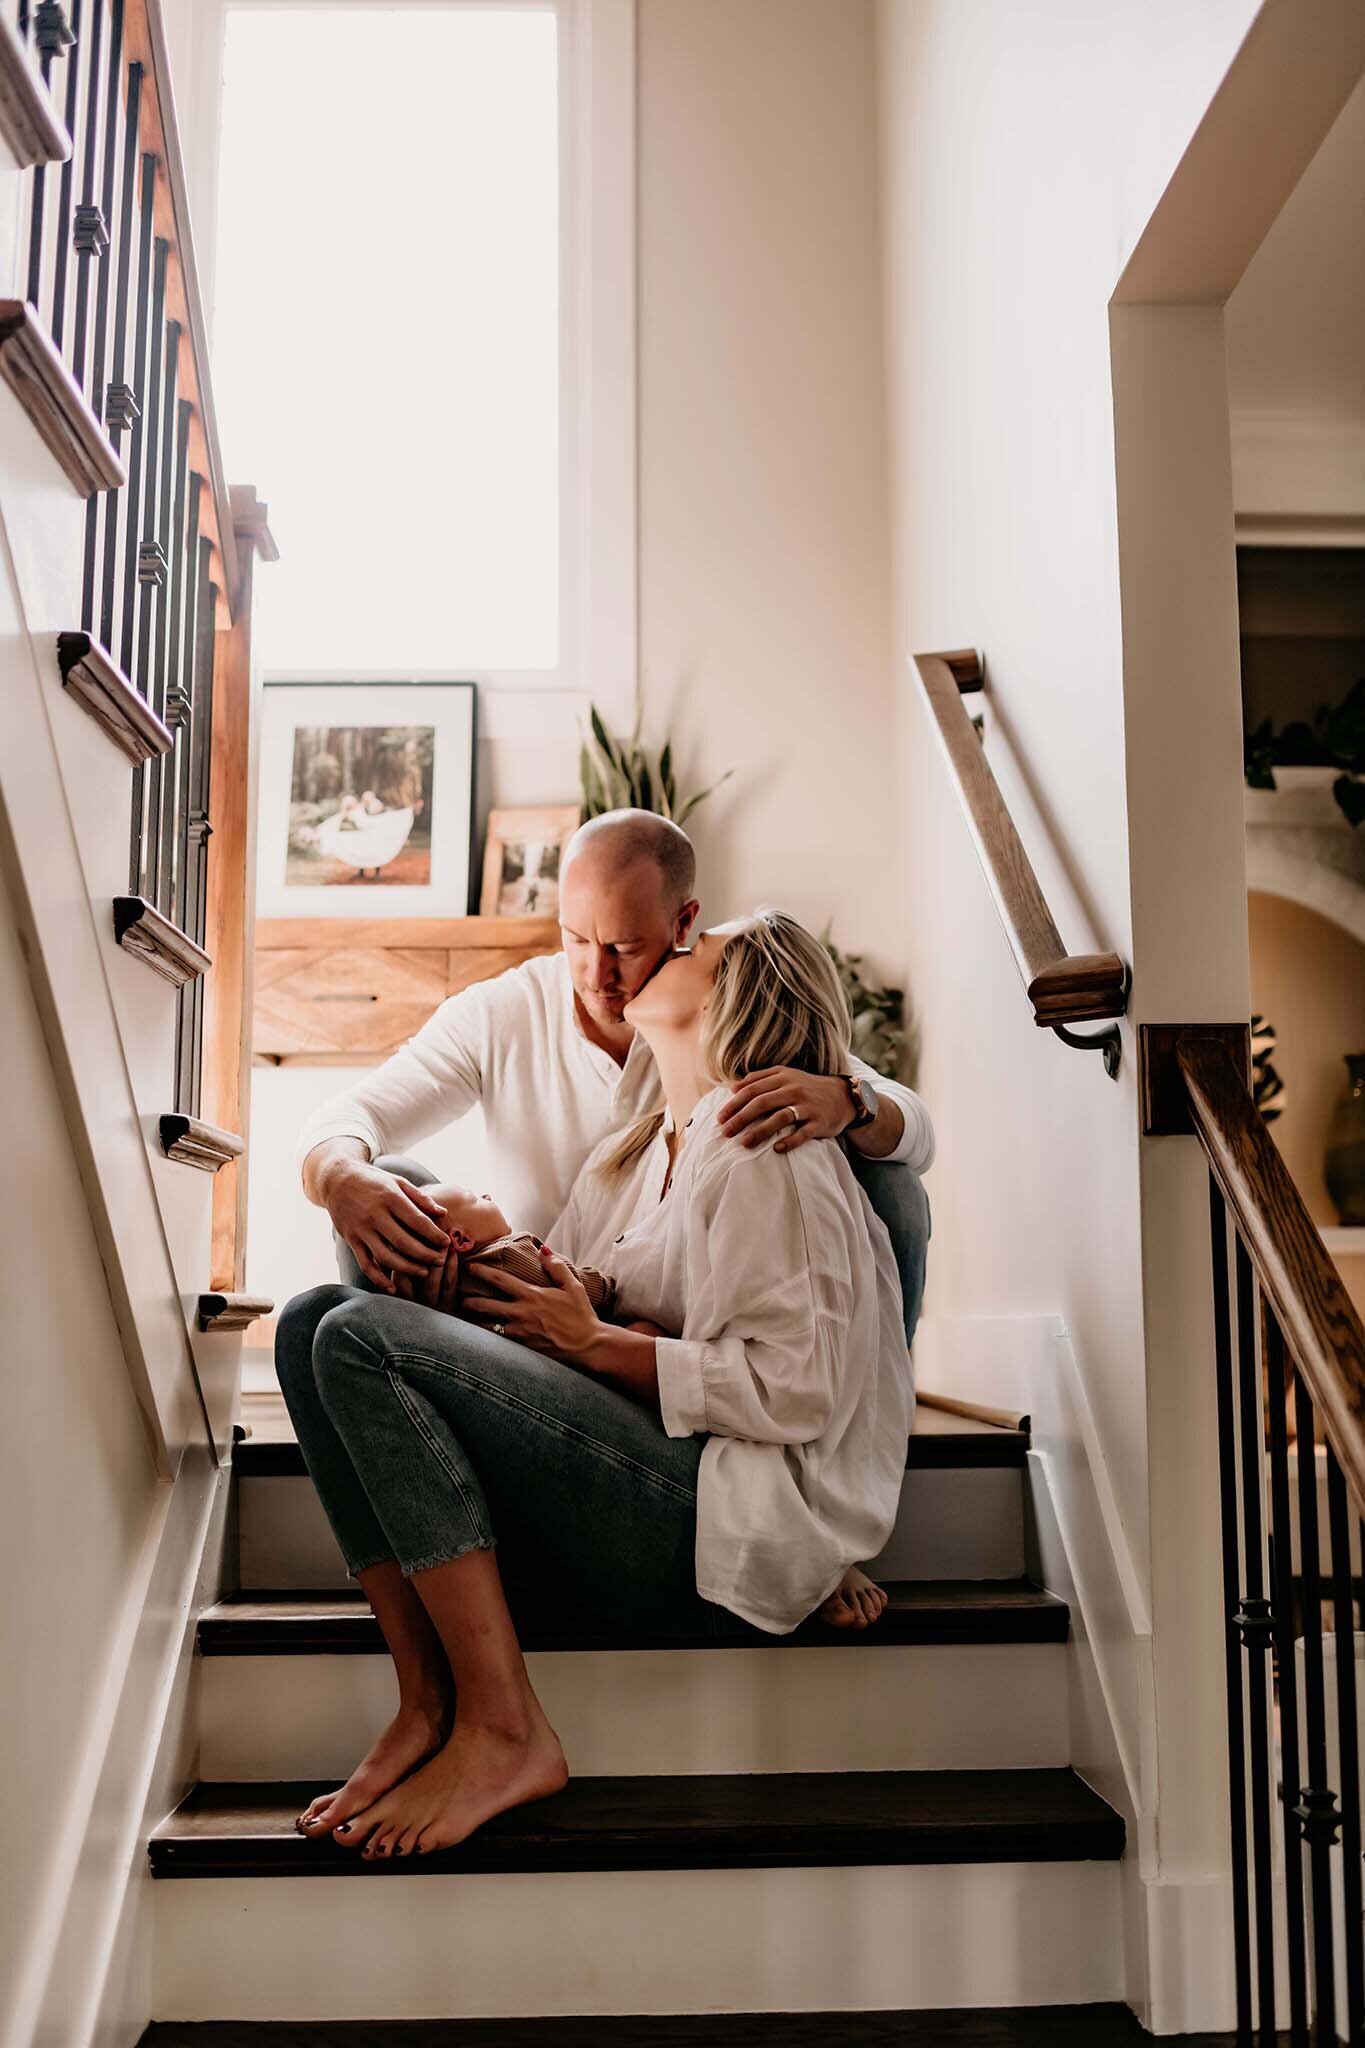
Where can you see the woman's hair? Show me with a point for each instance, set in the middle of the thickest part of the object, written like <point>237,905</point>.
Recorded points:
<point>776,1001</point>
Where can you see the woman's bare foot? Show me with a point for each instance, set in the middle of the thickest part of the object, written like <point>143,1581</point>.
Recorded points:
<point>482,1770</point>
<point>855,1602</point>
<point>413,1735</point>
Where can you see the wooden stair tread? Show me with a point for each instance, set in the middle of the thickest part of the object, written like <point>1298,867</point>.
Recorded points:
<point>938,1440</point>
<point>679,1823</point>
<point>920,1611</point>
<point>1043,2026</point>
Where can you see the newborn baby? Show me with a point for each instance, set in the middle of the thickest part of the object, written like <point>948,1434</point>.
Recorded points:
<point>478,1226</point>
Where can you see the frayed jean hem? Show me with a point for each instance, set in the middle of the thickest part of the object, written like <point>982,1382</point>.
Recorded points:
<point>367,1564</point>
<point>429,1564</point>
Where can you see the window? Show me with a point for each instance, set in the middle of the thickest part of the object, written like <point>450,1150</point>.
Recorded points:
<point>389,352</point>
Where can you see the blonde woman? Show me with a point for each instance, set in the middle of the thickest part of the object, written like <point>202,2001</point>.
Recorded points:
<point>712,1463</point>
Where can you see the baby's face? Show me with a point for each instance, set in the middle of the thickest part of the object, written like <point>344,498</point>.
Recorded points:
<point>472,1220</point>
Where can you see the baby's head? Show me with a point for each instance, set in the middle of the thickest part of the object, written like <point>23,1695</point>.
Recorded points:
<point>472,1220</point>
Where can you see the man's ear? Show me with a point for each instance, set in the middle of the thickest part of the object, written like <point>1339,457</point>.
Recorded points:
<point>687,917</point>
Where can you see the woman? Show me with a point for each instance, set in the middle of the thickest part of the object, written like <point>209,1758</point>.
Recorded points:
<point>720,1481</point>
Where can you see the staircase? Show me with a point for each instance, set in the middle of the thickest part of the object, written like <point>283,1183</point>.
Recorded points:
<point>826,1823</point>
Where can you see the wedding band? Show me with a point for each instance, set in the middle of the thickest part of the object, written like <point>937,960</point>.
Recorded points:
<point>794,1113</point>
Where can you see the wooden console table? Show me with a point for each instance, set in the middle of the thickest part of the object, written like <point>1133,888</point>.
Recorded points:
<point>346,992</point>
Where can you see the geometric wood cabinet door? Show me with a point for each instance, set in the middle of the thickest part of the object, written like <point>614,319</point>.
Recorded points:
<point>349,991</point>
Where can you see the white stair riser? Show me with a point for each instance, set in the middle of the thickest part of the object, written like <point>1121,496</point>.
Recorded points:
<point>953,1524</point>
<point>415,1947</point>
<point>968,1706</point>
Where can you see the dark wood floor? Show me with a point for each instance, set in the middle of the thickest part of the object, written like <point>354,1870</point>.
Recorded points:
<point>1078,2026</point>
<point>1069,2026</point>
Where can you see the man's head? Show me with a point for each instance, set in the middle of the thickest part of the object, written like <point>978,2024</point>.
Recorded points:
<point>626,903</point>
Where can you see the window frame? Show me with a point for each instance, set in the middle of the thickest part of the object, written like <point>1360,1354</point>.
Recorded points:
<point>598,456</point>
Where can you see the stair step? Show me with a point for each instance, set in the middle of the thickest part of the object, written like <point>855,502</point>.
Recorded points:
<point>1054,2026</point>
<point>963,1675</point>
<point>339,1623</point>
<point>939,1442</point>
<point>758,1821</point>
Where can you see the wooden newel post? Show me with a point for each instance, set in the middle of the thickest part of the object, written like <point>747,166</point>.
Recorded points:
<point>232,887</point>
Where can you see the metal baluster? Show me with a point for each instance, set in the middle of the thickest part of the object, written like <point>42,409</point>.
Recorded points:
<point>121,403</point>
<point>139,423</point>
<point>1286,1637</point>
<point>64,182</point>
<point>51,33</point>
<point>90,227</point>
<point>154,562</point>
<point>99,354</point>
<point>1317,1803</point>
<point>189,644</point>
<point>177,700</point>
<point>190,1037</point>
<point>149,554</point>
<point>1227,1493</point>
<point>1256,1629</point>
<point>1343,1617</point>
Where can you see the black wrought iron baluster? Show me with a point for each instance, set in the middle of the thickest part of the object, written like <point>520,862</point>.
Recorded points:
<point>51,34</point>
<point>1348,1745</point>
<point>1255,1627</point>
<point>1316,1807</point>
<point>122,403</point>
<point>154,561</point>
<point>1227,1495</point>
<point>1286,1645</point>
<point>57,325</point>
<point>177,702</point>
<point>150,557</point>
<point>139,410</point>
<point>190,1037</point>
<point>105,501</point>
<point>90,226</point>
<point>189,645</point>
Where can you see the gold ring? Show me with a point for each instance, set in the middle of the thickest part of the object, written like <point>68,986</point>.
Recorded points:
<point>794,1113</point>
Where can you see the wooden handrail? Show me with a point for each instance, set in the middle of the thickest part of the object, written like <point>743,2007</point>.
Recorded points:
<point>1063,988</point>
<point>1321,1329</point>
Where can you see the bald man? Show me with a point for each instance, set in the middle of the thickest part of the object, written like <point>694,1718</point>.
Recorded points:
<point>547,1053</point>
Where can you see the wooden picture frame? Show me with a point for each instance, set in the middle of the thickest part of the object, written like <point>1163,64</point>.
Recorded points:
<point>521,856</point>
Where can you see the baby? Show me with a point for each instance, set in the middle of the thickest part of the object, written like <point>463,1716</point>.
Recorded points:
<point>477,1226</point>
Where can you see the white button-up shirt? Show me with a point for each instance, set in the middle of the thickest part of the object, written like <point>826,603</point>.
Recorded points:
<point>790,1357</point>
<point>548,1094</point>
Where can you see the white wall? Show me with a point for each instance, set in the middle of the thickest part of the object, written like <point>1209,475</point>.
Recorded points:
<point>763,559</point>
<point>1062,499</point>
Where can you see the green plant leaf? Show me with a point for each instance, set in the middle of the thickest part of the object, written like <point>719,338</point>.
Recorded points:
<point>701,796</point>
<point>603,737</point>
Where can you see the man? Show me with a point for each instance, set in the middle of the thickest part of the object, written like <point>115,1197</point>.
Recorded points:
<point>545,1049</point>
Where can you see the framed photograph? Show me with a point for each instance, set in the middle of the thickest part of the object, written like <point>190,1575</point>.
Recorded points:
<point>521,860</point>
<point>366,800</point>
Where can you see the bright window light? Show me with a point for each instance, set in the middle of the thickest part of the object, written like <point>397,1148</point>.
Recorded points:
<point>386,330</point>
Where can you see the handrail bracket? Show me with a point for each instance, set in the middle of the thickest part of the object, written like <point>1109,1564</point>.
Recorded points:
<point>1109,1042</point>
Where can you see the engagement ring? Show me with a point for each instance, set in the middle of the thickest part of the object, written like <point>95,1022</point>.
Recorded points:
<point>499,1329</point>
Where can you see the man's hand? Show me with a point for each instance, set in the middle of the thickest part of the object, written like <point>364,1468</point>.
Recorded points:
<point>393,1227</point>
<point>761,1107</point>
<point>558,1320</point>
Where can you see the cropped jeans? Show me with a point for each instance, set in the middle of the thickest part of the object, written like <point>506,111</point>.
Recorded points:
<point>427,1437</point>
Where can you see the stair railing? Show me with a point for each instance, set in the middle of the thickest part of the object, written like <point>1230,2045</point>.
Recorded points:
<point>1290,1361</point>
<point>1063,988</point>
<point>107,350</point>
<point>1289,1353</point>
<point>112,330</point>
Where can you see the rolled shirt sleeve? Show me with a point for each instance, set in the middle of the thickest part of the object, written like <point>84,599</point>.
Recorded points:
<point>915,1147</point>
<point>769,1296</point>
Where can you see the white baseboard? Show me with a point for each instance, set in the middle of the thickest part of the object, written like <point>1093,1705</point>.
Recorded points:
<point>91,1987</point>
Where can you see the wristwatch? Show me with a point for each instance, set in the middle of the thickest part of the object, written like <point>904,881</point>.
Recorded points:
<point>865,1104</point>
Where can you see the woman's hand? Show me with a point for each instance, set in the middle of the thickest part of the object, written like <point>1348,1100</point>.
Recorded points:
<point>558,1320</point>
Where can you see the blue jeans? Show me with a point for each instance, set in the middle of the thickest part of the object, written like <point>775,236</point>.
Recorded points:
<point>427,1437</point>
<point>895,1192</point>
